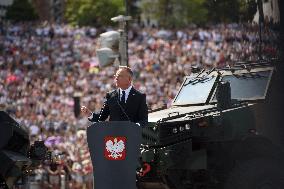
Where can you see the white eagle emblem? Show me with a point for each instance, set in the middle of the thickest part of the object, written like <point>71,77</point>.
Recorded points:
<point>115,149</point>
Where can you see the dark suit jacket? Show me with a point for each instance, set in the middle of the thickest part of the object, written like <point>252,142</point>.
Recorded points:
<point>135,109</point>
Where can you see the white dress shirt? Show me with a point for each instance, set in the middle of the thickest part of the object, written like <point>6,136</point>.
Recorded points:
<point>127,91</point>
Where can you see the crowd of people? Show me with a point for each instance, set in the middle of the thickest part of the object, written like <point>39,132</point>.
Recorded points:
<point>43,67</point>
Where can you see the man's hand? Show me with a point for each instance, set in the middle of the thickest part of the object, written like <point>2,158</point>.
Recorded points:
<point>86,111</point>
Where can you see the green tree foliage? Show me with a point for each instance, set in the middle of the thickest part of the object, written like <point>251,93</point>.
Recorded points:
<point>223,10</point>
<point>168,13</point>
<point>172,13</point>
<point>133,10</point>
<point>248,9</point>
<point>93,12</point>
<point>231,11</point>
<point>21,10</point>
<point>180,13</point>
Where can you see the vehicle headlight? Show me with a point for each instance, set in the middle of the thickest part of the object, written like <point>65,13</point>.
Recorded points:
<point>187,126</point>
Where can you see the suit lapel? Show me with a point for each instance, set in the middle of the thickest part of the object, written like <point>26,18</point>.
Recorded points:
<point>117,94</point>
<point>130,98</point>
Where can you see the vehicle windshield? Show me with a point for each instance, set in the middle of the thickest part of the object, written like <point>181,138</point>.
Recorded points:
<point>244,86</point>
<point>249,86</point>
<point>195,90</point>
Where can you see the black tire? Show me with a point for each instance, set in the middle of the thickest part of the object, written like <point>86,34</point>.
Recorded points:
<point>257,174</point>
<point>175,179</point>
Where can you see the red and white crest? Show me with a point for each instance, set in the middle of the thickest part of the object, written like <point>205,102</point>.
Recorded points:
<point>115,148</point>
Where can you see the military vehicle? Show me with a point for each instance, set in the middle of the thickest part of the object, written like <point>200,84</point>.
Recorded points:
<point>209,137</point>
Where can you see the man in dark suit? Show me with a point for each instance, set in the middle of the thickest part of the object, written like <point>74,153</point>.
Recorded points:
<point>123,104</point>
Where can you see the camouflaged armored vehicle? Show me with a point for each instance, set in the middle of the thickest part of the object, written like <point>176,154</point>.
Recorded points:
<point>209,137</point>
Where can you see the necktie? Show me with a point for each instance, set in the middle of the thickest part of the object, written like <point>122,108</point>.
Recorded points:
<point>123,97</point>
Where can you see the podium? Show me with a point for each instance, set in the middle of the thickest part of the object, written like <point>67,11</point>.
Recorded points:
<point>115,149</point>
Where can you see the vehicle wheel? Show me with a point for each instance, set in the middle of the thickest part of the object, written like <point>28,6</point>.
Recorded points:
<point>257,174</point>
<point>184,179</point>
<point>175,179</point>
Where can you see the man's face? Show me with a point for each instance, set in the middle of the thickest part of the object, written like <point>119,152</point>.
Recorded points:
<point>122,79</point>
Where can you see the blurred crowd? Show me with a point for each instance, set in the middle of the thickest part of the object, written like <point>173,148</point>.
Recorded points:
<point>43,67</point>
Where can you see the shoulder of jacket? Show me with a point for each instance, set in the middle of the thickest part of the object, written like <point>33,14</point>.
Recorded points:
<point>138,92</point>
<point>110,93</point>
